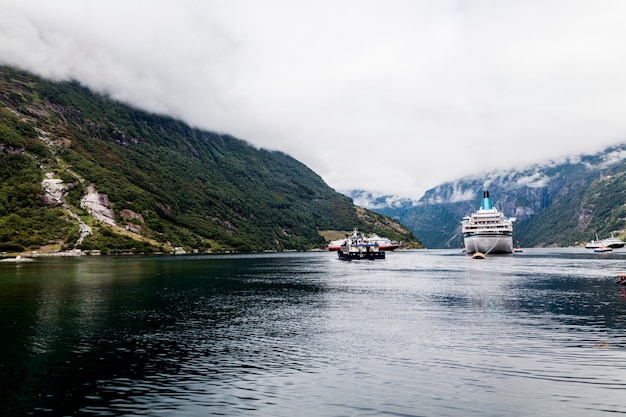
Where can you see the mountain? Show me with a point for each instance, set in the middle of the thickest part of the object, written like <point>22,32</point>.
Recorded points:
<point>80,171</point>
<point>562,203</point>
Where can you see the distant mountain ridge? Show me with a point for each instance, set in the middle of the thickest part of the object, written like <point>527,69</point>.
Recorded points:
<point>372,200</point>
<point>564,202</point>
<point>80,171</point>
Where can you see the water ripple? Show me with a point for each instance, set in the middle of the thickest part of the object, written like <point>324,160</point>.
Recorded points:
<point>418,334</point>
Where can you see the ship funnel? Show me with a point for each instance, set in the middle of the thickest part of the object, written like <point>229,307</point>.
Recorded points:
<point>486,205</point>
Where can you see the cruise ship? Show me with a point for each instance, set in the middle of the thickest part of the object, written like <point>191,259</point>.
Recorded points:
<point>487,231</point>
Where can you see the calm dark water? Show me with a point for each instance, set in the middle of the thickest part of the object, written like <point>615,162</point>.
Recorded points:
<point>427,333</point>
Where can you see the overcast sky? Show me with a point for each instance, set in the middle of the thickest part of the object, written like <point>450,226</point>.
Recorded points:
<point>388,96</point>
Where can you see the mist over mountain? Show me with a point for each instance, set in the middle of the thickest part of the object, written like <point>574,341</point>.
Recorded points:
<point>561,203</point>
<point>80,171</point>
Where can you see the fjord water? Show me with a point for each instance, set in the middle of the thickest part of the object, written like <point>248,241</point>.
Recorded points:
<point>420,333</point>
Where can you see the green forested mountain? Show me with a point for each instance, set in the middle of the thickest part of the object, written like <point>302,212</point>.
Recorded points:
<point>78,170</point>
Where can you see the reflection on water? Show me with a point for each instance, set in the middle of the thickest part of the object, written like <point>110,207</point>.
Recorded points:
<point>419,333</point>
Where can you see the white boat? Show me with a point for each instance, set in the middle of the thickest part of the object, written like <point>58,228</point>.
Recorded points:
<point>487,230</point>
<point>383,242</point>
<point>612,242</point>
<point>18,258</point>
<point>357,246</point>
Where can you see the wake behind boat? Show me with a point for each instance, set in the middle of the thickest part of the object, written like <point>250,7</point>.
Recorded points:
<point>487,231</point>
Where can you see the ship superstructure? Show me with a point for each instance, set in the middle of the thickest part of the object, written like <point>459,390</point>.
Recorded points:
<point>487,230</point>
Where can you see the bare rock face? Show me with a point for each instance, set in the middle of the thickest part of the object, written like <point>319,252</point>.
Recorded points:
<point>54,196</point>
<point>98,205</point>
<point>134,220</point>
<point>49,201</point>
<point>55,190</point>
<point>130,215</point>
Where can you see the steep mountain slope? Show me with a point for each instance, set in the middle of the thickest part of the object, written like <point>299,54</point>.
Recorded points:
<point>78,170</point>
<point>561,203</point>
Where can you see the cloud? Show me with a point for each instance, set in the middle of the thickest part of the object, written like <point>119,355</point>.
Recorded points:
<point>394,96</point>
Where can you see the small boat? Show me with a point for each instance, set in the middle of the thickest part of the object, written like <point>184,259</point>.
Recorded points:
<point>487,230</point>
<point>478,255</point>
<point>359,247</point>
<point>603,249</point>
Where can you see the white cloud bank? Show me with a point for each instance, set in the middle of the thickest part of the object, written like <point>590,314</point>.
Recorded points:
<point>390,96</point>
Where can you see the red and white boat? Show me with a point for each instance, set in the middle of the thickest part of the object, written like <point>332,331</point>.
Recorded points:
<point>383,242</point>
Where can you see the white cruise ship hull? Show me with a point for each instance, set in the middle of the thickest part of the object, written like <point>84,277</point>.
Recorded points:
<point>489,243</point>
